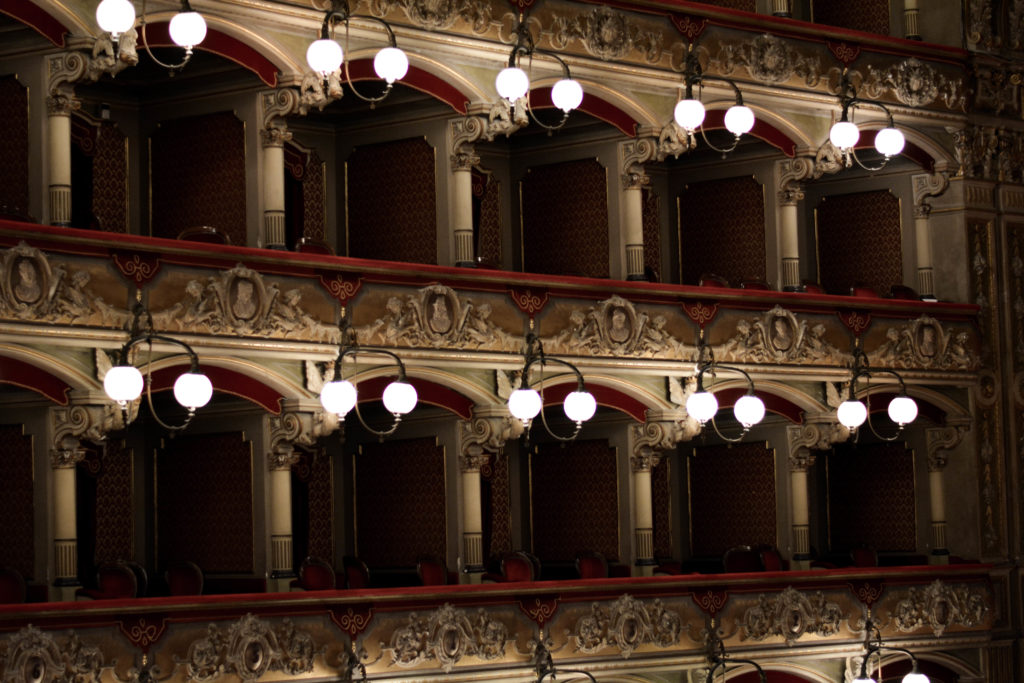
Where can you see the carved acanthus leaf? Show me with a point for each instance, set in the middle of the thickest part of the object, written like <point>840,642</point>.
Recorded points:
<point>447,635</point>
<point>627,624</point>
<point>791,614</point>
<point>656,436</point>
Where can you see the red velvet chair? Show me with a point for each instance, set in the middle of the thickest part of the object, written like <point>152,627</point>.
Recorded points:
<point>12,586</point>
<point>864,557</point>
<point>204,233</point>
<point>517,566</point>
<point>184,578</point>
<point>308,245</point>
<point>742,558</point>
<point>315,574</point>
<point>432,571</point>
<point>357,574</point>
<point>591,565</point>
<point>112,581</point>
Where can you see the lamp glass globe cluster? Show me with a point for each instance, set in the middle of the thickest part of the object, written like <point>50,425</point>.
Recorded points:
<point>748,409</point>
<point>844,134</point>
<point>689,113</point>
<point>187,29</point>
<point>340,396</point>
<point>325,56</point>
<point>512,83</point>
<point>124,383</point>
<point>115,16</point>
<point>526,404</point>
<point>853,413</point>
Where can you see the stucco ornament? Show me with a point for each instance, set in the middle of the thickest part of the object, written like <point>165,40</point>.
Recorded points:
<point>33,656</point>
<point>777,336</point>
<point>607,34</point>
<point>249,648</point>
<point>940,606</point>
<point>446,635</point>
<point>791,614</point>
<point>627,624</point>
<point>925,343</point>
<point>768,59</point>
<point>435,15</point>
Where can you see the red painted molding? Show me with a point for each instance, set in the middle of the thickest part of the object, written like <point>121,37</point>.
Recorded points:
<point>225,381</point>
<point>222,44</point>
<point>28,376</point>
<point>428,392</point>
<point>36,17</point>
<point>540,98</point>
<point>420,79</point>
<point>608,397</point>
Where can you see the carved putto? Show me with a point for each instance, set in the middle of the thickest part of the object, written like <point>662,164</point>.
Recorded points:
<point>940,606</point>
<point>606,34</point>
<point>615,327</point>
<point>769,59</point>
<point>447,635</point>
<point>238,301</point>
<point>437,317</point>
<point>627,625</point>
<point>924,343</point>
<point>914,83</point>
<point>777,336</point>
<point>249,648</point>
<point>791,614</point>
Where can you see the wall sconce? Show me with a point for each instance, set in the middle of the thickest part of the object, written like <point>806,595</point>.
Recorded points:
<point>844,133</point>
<point>340,396</point>
<point>546,664</point>
<point>124,382</point>
<point>718,659</point>
<point>187,28</point>
<point>873,646</point>
<point>513,83</point>
<point>702,404</point>
<point>689,110</point>
<point>524,403</point>
<point>852,413</point>
<point>325,56</point>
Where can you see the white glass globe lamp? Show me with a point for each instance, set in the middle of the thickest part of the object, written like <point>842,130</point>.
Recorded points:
<point>399,398</point>
<point>844,134</point>
<point>889,142</point>
<point>689,114</point>
<point>739,119</point>
<point>193,390</point>
<point>915,677</point>
<point>702,406</point>
<point>863,679</point>
<point>902,410</point>
<point>391,64</point>
<point>851,414</point>
<point>324,56</point>
<point>512,83</point>
<point>579,406</point>
<point>115,16</point>
<point>188,29</point>
<point>123,383</point>
<point>749,410</point>
<point>567,94</point>
<point>338,397</point>
<point>524,404</point>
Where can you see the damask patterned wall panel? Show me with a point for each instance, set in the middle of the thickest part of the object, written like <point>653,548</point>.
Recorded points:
<point>204,502</point>
<point>306,168</point>
<point>314,470</point>
<point>13,146</point>
<point>732,497</point>
<point>17,538</point>
<point>565,219</point>
<point>113,510</point>
<point>198,175</point>
<point>866,15</point>
<point>574,500</point>
<point>388,219</point>
<point>744,5</point>
<point>498,518</point>
<point>400,502</point>
<point>859,241</point>
<point>661,500</point>
<point>721,230</point>
<point>487,200</point>
<point>652,234</point>
<point>110,178</point>
<point>871,497</point>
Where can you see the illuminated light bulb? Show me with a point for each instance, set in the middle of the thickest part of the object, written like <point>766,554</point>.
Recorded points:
<point>399,398</point>
<point>512,83</point>
<point>889,142</point>
<point>338,397</point>
<point>391,64</point>
<point>580,406</point>
<point>852,414</point>
<point>739,119</point>
<point>115,16</point>
<point>524,404</point>
<point>123,383</point>
<point>193,390</point>
<point>844,135</point>
<point>702,406</point>
<point>689,114</point>
<point>902,410</point>
<point>324,56</point>
<point>749,410</point>
<point>567,94</point>
<point>187,29</point>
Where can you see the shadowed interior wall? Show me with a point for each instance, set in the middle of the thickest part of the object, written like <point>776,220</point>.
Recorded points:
<point>732,497</point>
<point>307,212</point>
<point>721,230</point>
<point>871,16</point>
<point>574,500</point>
<point>105,187</point>
<point>494,478</point>
<point>198,175</point>
<point>204,505</point>
<point>652,234</point>
<point>392,220</point>
<point>314,472</point>
<point>661,501</point>
<point>112,469</point>
<point>17,537</point>
<point>487,212</point>
<point>400,502</point>
<point>565,219</point>
<point>13,146</point>
<point>858,238</point>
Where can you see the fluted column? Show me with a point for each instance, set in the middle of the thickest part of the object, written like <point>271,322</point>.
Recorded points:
<point>632,156</point>
<point>780,8</point>
<point>925,186</point>
<point>817,434</point>
<point>940,442</point>
<point>462,205</point>
<point>789,238</point>
<point>910,20</point>
<point>479,439</point>
<point>273,140</point>
<point>58,147</point>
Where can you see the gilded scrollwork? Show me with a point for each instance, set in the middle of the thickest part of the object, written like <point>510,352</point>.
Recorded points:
<point>627,625</point>
<point>32,656</point>
<point>435,15</point>
<point>768,59</point>
<point>615,327</point>
<point>446,635</point>
<point>778,336</point>
<point>940,606</point>
<point>607,34</point>
<point>299,427</point>
<point>925,343</point>
<point>791,614</point>
<point>249,648</point>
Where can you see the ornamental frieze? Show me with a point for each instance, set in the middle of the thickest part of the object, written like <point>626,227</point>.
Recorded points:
<point>240,302</point>
<point>768,59</point>
<point>777,336</point>
<point>614,327</point>
<point>940,606</point>
<point>627,625</point>
<point>437,317</point>
<point>249,648</point>
<point>607,34</point>
<point>924,343</point>
<point>916,84</point>
<point>446,635</point>
<point>435,15</point>
<point>791,614</point>
<point>34,656</point>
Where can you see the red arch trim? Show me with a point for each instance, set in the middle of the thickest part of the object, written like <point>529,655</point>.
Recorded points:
<point>222,44</point>
<point>910,150</point>
<point>608,397</point>
<point>32,15</point>
<point>540,98</point>
<point>424,81</point>
<point>427,392</point>
<point>926,409</point>
<point>225,381</point>
<point>715,119</point>
<point>28,376</point>
<point>773,404</point>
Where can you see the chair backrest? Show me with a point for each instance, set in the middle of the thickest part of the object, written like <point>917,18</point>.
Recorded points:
<point>864,557</point>
<point>712,280</point>
<point>432,571</point>
<point>204,233</point>
<point>141,577</point>
<point>756,283</point>
<point>591,565</point>
<point>357,574</point>
<point>12,586</point>
<point>316,574</point>
<point>308,245</point>
<point>517,566</point>
<point>742,558</point>
<point>116,581</point>
<point>184,578</point>
<point>771,559</point>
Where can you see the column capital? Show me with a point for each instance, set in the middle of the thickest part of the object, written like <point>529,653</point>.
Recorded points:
<point>62,103</point>
<point>501,120</point>
<point>79,422</point>
<point>633,155</point>
<point>791,196</point>
<point>300,423</point>
<point>816,434</point>
<point>941,440</point>
<point>663,431</point>
<point>928,185</point>
<point>485,434</point>
<point>792,173</point>
<point>276,105</point>
<point>275,136</point>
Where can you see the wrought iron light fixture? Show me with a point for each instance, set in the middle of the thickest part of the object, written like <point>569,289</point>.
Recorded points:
<point>546,664</point>
<point>718,659</point>
<point>124,382</point>
<point>524,403</point>
<point>340,396</point>
<point>187,27</point>
<point>513,82</point>
<point>689,110</point>
<point>852,412</point>
<point>845,134</point>
<point>325,56</point>
<point>702,404</point>
<point>873,646</point>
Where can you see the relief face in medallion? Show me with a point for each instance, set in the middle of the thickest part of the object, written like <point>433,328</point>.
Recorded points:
<point>25,281</point>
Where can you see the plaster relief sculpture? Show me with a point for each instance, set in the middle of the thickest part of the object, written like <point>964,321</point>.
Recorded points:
<point>615,327</point>
<point>238,301</point>
<point>32,656</point>
<point>914,83</point>
<point>791,614</point>
<point>627,625</point>
<point>436,15</point>
<point>437,317</point>
<point>940,606</point>
<point>447,635</point>
<point>777,336</point>
<point>924,343</point>
<point>606,34</point>
<point>768,59</point>
<point>249,648</point>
